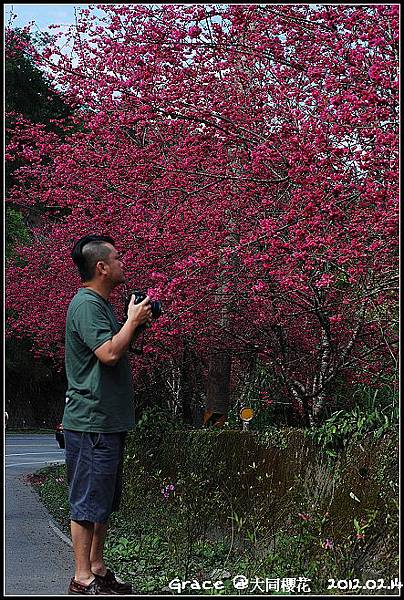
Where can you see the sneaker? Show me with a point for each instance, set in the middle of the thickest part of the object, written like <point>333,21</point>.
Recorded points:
<point>96,587</point>
<point>116,586</point>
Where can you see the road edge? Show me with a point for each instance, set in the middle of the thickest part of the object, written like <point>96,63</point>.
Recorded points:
<point>60,533</point>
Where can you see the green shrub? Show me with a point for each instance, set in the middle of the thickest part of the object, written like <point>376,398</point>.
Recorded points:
<point>211,504</point>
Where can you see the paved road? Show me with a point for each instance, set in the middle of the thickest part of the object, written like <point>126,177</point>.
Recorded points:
<point>37,560</point>
<point>25,453</point>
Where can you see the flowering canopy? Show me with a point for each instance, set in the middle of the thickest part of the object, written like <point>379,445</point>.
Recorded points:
<point>244,158</point>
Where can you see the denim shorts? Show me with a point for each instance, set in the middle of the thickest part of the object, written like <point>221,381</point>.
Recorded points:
<point>94,473</point>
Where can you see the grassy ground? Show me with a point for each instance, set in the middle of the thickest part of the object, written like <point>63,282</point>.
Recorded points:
<point>166,535</point>
<point>138,548</point>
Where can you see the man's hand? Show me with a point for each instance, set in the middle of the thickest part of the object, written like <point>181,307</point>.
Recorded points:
<point>140,313</point>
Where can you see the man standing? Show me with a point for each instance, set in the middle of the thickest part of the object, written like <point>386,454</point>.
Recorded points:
<point>99,408</point>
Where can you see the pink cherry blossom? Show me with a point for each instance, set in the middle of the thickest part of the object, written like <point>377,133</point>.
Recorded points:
<point>247,166</point>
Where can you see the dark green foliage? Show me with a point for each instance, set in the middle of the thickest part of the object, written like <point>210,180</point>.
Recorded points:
<point>28,90</point>
<point>16,230</point>
<point>374,413</point>
<point>28,93</point>
<point>34,387</point>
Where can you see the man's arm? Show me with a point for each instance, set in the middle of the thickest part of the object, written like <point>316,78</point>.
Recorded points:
<point>112,350</point>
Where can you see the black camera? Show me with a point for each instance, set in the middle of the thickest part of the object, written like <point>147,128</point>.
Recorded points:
<point>156,306</point>
<point>156,309</point>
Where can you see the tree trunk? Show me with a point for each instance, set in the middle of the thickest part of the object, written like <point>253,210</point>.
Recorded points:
<point>189,379</point>
<point>218,389</point>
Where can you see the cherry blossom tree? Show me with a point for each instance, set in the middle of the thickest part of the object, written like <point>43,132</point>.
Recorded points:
<point>245,158</point>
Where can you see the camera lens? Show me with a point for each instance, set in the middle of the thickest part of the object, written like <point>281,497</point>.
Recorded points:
<point>156,306</point>
<point>156,309</point>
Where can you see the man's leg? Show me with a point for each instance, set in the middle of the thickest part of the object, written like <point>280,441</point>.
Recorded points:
<point>117,444</point>
<point>98,566</point>
<point>97,549</point>
<point>82,537</point>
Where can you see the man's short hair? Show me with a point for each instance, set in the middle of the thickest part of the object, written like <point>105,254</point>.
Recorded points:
<point>87,251</point>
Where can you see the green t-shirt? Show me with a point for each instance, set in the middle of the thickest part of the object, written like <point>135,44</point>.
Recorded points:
<point>99,397</point>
